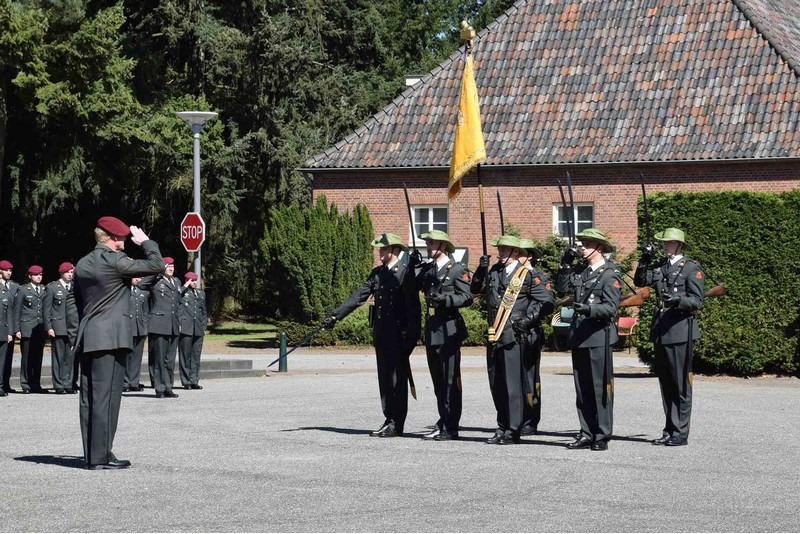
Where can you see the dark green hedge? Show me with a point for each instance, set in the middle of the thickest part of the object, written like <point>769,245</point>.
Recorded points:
<point>314,258</point>
<point>750,242</point>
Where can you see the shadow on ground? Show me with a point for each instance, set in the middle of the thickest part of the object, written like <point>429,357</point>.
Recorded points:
<point>75,462</point>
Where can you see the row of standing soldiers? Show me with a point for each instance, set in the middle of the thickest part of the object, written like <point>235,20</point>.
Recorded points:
<point>171,315</point>
<point>518,297</point>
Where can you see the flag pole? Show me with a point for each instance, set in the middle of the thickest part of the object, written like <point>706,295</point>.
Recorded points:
<point>467,33</point>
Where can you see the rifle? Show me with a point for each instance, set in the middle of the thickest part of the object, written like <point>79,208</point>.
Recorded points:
<point>716,291</point>
<point>500,207</point>
<point>635,298</point>
<point>647,235</point>
<point>414,244</point>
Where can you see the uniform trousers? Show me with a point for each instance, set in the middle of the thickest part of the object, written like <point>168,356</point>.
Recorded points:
<point>133,365</point>
<point>161,352</point>
<point>593,372</point>
<point>531,363</point>
<point>30,372</point>
<point>190,348</point>
<point>102,373</point>
<point>673,366</point>
<point>506,381</point>
<point>444,363</point>
<point>6,355</point>
<point>393,385</point>
<point>61,364</point>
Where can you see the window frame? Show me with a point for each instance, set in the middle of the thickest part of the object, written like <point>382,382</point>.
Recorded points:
<point>575,222</point>
<point>416,241</point>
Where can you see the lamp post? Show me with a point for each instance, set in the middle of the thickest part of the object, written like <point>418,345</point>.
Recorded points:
<point>196,120</point>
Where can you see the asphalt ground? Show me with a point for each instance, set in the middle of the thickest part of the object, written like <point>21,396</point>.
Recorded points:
<point>292,452</point>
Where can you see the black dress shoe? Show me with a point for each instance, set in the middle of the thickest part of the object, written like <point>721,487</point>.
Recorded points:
<point>3,393</point>
<point>508,440</point>
<point>433,433</point>
<point>196,386</point>
<point>140,387</point>
<point>676,442</point>
<point>11,390</point>
<point>170,394</point>
<point>71,391</point>
<point>661,441</point>
<point>187,387</point>
<point>375,433</point>
<point>495,440</point>
<point>125,389</point>
<point>446,436</point>
<point>25,391</point>
<point>61,392</point>
<point>601,445</point>
<point>528,430</point>
<point>582,442</point>
<point>389,431</point>
<point>113,464</point>
<point>41,391</point>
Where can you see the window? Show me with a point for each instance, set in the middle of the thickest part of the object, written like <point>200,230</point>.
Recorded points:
<point>583,218</point>
<point>427,218</point>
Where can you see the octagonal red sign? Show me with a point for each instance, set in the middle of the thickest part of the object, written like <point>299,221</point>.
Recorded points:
<point>193,231</point>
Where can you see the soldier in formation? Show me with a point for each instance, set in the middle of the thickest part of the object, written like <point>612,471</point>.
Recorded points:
<point>163,328</point>
<point>516,301</point>
<point>395,327</point>
<point>28,307</point>
<point>193,318</point>
<point>678,284</point>
<point>7,328</point>
<point>595,285</point>
<point>444,283</point>
<point>61,324</point>
<point>139,314</point>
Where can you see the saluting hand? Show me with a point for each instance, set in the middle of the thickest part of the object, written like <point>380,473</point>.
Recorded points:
<point>138,236</point>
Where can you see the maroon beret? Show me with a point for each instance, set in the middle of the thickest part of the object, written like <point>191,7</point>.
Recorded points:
<point>113,226</point>
<point>35,269</point>
<point>168,261</point>
<point>190,276</point>
<point>65,267</point>
<point>5,264</point>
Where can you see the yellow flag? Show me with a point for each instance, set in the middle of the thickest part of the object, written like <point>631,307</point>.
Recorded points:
<point>468,149</point>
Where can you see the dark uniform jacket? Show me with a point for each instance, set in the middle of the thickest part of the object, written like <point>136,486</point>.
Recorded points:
<point>193,316</point>
<point>140,311</point>
<point>601,289</point>
<point>684,279</point>
<point>396,313</point>
<point>28,309</point>
<point>6,313</point>
<point>535,298</point>
<point>59,309</point>
<point>102,284</point>
<point>451,280</point>
<point>164,302</point>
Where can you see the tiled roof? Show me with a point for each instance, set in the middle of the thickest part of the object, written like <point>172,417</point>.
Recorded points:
<point>606,81</point>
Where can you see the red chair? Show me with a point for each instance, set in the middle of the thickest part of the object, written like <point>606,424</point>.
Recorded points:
<point>625,328</point>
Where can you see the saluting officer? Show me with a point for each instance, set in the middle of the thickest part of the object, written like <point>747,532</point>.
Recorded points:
<point>102,281</point>
<point>678,283</point>
<point>395,327</point>
<point>7,329</point>
<point>12,287</point>
<point>163,328</point>
<point>30,325</point>
<point>532,359</point>
<point>444,283</point>
<point>194,319</point>
<point>139,314</point>
<point>60,312</point>
<point>595,285</point>
<point>516,301</point>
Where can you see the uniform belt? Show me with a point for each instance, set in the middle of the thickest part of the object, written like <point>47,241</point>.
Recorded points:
<point>436,312</point>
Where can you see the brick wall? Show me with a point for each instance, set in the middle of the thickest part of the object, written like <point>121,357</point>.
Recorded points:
<point>529,193</point>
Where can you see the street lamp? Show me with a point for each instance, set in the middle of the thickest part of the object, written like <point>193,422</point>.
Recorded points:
<point>196,120</point>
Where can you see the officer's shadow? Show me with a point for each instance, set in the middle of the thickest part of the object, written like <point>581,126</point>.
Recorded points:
<point>353,431</point>
<point>75,462</point>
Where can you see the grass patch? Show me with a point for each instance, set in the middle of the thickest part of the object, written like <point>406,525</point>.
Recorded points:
<point>235,331</point>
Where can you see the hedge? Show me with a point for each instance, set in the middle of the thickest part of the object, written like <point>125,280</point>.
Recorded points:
<point>749,242</point>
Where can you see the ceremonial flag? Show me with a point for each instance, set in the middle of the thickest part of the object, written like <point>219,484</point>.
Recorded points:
<point>468,148</point>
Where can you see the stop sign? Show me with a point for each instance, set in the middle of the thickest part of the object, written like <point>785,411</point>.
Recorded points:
<point>193,231</point>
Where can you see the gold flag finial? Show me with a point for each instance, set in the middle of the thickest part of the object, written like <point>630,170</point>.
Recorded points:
<point>467,31</point>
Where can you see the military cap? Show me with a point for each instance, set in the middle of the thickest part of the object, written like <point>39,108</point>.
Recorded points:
<point>65,267</point>
<point>672,234</point>
<point>389,240</point>
<point>593,234</point>
<point>35,269</point>
<point>190,276</point>
<point>168,261</point>
<point>438,235</point>
<point>530,246</point>
<point>5,264</point>
<point>507,241</point>
<point>113,226</point>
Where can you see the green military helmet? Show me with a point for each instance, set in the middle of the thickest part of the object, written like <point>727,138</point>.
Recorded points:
<point>389,240</point>
<point>507,241</point>
<point>593,234</point>
<point>530,246</point>
<point>672,234</point>
<point>438,235</point>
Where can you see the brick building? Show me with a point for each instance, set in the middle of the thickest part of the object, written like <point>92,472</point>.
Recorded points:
<point>695,95</point>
